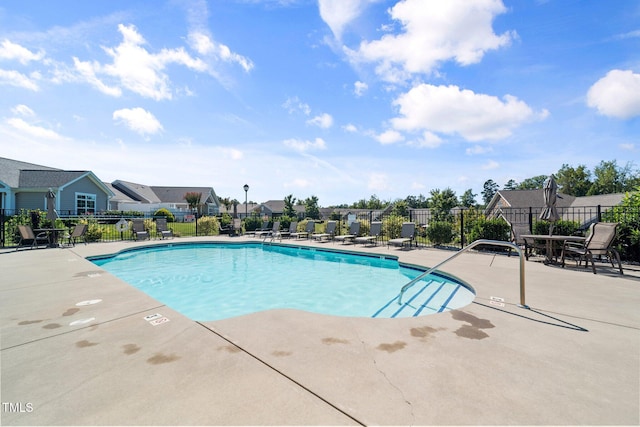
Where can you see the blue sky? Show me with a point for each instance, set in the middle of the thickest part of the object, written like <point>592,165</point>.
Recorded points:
<point>332,98</point>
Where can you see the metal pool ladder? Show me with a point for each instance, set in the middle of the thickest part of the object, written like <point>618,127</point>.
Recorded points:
<point>460,252</point>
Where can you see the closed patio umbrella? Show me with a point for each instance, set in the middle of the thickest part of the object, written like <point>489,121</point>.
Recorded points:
<point>550,213</point>
<point>52,215</point>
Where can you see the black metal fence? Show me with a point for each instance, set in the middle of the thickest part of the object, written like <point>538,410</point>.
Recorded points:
<point>454,228</point>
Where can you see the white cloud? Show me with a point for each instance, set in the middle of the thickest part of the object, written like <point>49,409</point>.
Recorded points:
<point>478,149</point>
<point>359,88</point>
<point>337,14</point>
<point>378,182</point>
<point>432,32</point>
<point>13,51</point>
<point>138,120</point>
<point>450,110</point>
<point>616,95</point>
<point>87,73</point>
<point>298,183</point>
<point>389,137</point>
<point>627,146</point>
<point>428,140</point>
<point>234,154</point>
<point>350,127</point>
<point>324,121</point>
<point>14,78</point>
<point>490,165</point>
<point>293,105</point>
<point>302,145</point>
<point>135,68</point>
<point>204,45</point>
<point>23,110</point>
<point>33,130</point>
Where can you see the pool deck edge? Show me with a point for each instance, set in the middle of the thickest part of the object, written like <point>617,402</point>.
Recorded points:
<point>574,358</point>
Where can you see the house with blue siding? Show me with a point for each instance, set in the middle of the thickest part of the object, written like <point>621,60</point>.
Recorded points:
<point>25,185</point>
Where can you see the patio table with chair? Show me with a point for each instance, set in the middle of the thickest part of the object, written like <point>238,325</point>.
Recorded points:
<point>549,239</point>
<point>52,235</point>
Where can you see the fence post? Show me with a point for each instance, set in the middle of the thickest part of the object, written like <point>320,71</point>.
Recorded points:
<point>461,228</point>
<point>196,215</point>
<point>2,227</point>
<point>599,210</point>
<point>530,219</point>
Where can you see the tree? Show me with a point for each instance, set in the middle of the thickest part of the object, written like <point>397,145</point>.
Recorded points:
<point>573,181</point>
<point>534,183</point>
<point>417,202</point>
<point>511,185</point>
<point>400,208</point>
<point>226,201</point>
<point>311,207</point>
<point>442,202</point>
<point>611,178</point>
<point>468,199</point>
<point>193,199</point>
<point>373,203</point>
<point>289,210</point>
<point>490,189</point>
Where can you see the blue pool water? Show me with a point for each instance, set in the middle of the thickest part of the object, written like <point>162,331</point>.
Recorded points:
<point>217,281</point>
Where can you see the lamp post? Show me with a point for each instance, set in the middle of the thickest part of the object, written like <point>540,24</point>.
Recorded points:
<point>246,209</point>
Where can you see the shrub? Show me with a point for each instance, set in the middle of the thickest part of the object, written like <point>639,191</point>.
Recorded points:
<point>252,223</point>
<point>492,229</point>
<point>164,212</point>
<point>440,232</point>
<point>225,220</point>
<point>208,226</point>
<point>302,225</point>
<point>94,230</point>
<point>285,222</point>
<point>566,228</point>
<point>392,226</point>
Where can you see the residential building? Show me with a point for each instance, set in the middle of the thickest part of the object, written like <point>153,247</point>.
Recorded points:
<point>25,185</point>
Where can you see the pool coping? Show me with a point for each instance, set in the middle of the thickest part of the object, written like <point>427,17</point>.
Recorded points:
<point>574,358</point>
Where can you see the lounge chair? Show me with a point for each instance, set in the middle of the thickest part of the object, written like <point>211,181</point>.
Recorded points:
<point>29,239</point>
<point>407,234</point>
<point>139,232</point>
<point>293,227</point>
<point>271,232</point>
<point>309,229</point>
<point>265,227</point>
<point>162,229</point>
<point>237,227</point>
<point>599,242</point>
<point>328,234</point>
<point>79,232</point>
<point>354,230</point>
<point>375,232</point>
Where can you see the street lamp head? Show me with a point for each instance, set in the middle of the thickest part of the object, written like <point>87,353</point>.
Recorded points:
<point>246,187</point>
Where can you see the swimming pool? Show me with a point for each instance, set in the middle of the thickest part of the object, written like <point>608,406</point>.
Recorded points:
<point>218,280</point>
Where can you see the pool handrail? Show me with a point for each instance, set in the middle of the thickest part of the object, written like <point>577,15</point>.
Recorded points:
<point>466,248</point>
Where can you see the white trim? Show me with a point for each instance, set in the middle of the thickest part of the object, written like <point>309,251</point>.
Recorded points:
<point>89,197</point>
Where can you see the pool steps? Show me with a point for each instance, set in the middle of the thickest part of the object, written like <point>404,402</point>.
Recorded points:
<point>428,297</point>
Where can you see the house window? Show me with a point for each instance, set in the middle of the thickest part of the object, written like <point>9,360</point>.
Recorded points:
<point>85,204</point>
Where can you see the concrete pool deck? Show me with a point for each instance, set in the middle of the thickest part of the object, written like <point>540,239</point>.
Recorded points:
<point>573,358</point>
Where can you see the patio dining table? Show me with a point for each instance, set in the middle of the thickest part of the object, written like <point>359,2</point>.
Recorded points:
<point>549,239</point>
<point>52,235</point>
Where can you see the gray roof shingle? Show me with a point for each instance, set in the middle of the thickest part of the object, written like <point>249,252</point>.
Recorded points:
<point>10,170</point>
